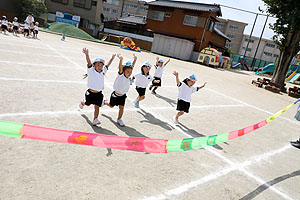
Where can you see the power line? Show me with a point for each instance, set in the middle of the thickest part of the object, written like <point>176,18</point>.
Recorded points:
<point>246,11</point>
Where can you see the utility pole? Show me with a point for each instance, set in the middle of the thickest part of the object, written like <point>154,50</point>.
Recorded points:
<point>262,32</point>
<point>250,34</point>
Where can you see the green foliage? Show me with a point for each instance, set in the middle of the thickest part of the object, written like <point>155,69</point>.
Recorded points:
<point>288,18</point>
<point>36,7</point>
<point>227,53</point>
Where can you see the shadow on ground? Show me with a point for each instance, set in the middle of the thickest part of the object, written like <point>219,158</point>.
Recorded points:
<point>266,185</point>
<point>149,118</point>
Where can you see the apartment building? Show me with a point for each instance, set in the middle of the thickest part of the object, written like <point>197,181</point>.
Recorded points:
<point>268,50</point>
<point>234,30</point>
<point>115,9</point>
<point>89,11</point>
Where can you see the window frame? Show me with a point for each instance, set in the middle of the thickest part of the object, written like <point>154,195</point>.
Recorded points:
<point>184,20</point>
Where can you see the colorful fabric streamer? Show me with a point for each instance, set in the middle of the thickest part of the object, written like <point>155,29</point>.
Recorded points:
<point>148,145</point>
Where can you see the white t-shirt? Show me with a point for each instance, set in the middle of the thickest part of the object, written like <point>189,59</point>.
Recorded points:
<point>36,28</point>
<point>5,22</point>
<point>96,79</point>
<point>29,19</point>
<point>142,81</point>
<point>185,92</point>
<point>15,23</point>
<point>121,84</point>
<point>159,71</point>
<point>26,26</point>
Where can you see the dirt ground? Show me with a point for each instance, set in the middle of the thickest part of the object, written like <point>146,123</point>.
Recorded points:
<point>41,84</point>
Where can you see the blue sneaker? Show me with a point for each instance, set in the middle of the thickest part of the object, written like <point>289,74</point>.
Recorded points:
<point>136,103</point>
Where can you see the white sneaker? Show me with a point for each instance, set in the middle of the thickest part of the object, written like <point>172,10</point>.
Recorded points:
<point>81,104</point>
<point>120,122</point>
<point>103,102</point>
<point>175,120</point>
<point>96,122</point>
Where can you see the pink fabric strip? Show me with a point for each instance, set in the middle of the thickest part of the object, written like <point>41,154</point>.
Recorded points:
<point>92,139</point>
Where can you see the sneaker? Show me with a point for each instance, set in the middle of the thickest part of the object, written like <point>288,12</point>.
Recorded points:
<point>136,103</point>
<point>151,86</point>
<point>81,104</point>
<point>153,92</point>
<point>96,122</point>
<point>175,120</point>
<point>120,122</point>
<point>296,143</point>
<point>103,102</point>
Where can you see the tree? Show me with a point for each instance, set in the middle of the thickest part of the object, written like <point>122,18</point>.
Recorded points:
<point>36,7</point>
<point>287,34</point>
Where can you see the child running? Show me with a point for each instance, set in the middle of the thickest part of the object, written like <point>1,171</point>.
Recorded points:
<point>159,69</point>
<point>95,74</point>
<point>16,26</point>
<point>35,30</point>
<point>142,80</point>
<point>121,87</point>
<point>186,88</point>
<point>26,29</point>
<point>4,25</point>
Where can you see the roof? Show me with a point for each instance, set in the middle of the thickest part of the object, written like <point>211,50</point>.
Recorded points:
<point>221,34</point>
<point>133,19</point>
<point>187,5</point>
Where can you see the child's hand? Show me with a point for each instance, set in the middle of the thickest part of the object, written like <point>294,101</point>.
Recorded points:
<point>204,84</point>
<point>113,56</point>
<point>156,81</point>
<point>175,73</point>
<point>134,57</point>
<point>157,58</point>
<point>85,51</point>
<point>120,57</point>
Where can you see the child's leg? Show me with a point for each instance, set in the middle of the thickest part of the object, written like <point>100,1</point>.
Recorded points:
<point>96,112</point>
<point>107,103</point>
<point>155,88</point>
<point>180,113</point>
<point>121,111</point>
<point>140,98</point>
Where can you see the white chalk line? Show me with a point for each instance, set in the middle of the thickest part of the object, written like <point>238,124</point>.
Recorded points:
<point>212,176</point>
<point>35,65</point>
<point>252,106</point>
<point>104,110</point>
<point>36,54</point>
<point>40,80</point>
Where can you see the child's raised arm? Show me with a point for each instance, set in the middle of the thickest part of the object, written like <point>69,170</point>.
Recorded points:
<point>134,59</point>
<point>198,88</point>
<point>167,62</point>
<point>177,78</point>
<point>87,57</point>
<point>157,58</point>
<point>110,61</point>
<point>120,63</point>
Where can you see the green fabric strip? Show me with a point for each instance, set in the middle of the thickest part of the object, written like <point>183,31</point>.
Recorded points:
<point>10,129</point>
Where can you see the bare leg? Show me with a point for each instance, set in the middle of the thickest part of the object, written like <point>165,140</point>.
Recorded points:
<point>121,111</point>
<point>140,98</point>
<point>107,103</point>
<point>96,112</point>
<point>180,113</point>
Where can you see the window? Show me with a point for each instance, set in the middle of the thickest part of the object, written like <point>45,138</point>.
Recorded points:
<point>131,6</point>
<point>114,11</point>
<point>190,20</point>
<point>248,49</point>
<point>270,45</point>
<point>210,25</point>
<point>227,45</point>
<point>66,2</point>
<point>251,41</point>
<point>144,8</point>
<point>267,53</point>
<point>82,4</point>
<point>94,3</point>
<point>113,2</point>
<point>106,10</point>
<point>219,25</point>
<point>168,15</point>
<point>230,36</point>
<point>276,55</point>
<point>156,15</point>
<point>233,27</point>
